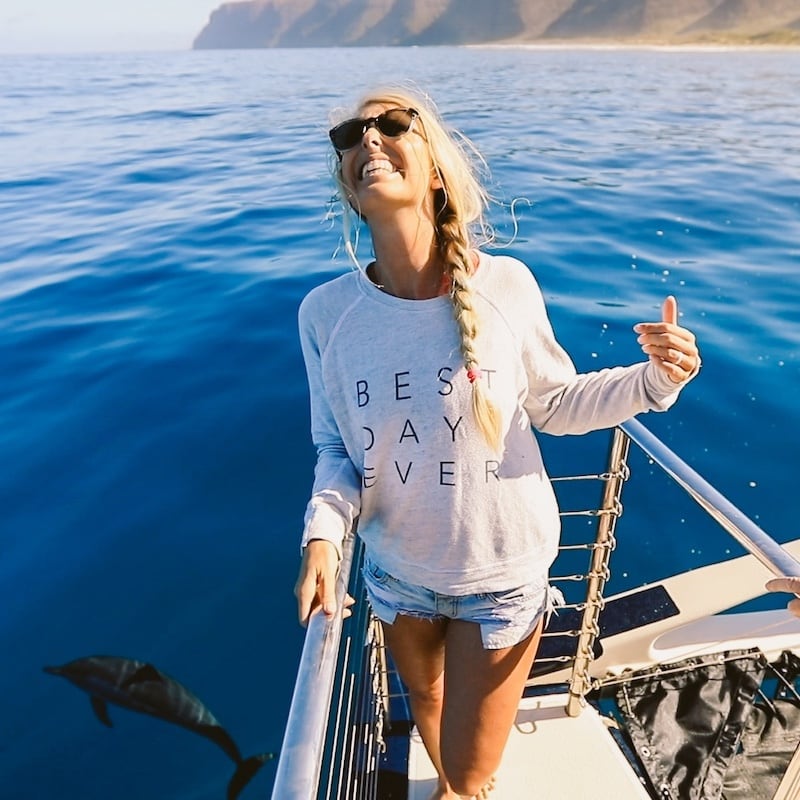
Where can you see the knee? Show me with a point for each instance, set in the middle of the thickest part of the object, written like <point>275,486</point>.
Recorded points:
<point>429,693</point>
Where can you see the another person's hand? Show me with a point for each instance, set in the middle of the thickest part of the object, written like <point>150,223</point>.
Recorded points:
<point>669,346</point>
<point>791,585</point>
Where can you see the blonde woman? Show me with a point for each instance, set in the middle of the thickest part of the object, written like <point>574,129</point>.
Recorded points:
<point>428,370</point>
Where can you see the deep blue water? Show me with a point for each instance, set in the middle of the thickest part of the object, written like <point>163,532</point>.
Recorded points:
<point>162,215</point>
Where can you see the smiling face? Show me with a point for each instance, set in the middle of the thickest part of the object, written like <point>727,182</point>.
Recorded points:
<point>384,173</point>
<point>427,176</point>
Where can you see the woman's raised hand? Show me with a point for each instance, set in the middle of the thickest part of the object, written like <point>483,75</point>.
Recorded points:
<point>669,346</point>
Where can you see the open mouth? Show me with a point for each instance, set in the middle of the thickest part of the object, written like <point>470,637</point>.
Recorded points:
<point>375,167</point>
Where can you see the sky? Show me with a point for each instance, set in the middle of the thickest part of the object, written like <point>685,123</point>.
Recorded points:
<point>59,26</point>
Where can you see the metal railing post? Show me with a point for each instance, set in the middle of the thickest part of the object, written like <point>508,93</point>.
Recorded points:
<point>609,512</point>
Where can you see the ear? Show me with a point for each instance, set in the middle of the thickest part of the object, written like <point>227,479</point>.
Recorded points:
<point>436,178</point>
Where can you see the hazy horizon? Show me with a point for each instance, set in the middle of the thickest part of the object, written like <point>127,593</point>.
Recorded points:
<point>97,26</point>
<point>53,26</point>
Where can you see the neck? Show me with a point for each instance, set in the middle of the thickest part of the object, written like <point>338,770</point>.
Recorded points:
<point>408,265</point>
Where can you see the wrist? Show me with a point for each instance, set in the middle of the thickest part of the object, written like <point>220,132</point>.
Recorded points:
<point>322,546</point>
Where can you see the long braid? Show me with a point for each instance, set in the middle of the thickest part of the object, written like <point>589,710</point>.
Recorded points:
<point>454,247</point>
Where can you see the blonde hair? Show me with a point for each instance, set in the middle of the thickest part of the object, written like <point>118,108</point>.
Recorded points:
<point>460,206</point>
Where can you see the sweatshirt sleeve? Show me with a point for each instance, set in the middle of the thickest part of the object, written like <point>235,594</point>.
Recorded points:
<point>336,494</point>
<point>561,401</point>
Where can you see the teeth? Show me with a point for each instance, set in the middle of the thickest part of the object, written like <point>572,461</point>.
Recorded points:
<point>373,167</point>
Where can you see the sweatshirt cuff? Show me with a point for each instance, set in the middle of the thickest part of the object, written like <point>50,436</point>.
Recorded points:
<point>324,522</point>
<point>660,388</point>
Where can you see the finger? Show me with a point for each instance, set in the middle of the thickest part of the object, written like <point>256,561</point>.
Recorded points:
<point>306,593</point>
<point>669,310</point>
<point>791,585</point>
<point>327,594</point>
<point>794,607</point>
<point>349,602</point>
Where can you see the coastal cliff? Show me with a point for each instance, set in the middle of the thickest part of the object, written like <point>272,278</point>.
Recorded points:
<point>338,23</point>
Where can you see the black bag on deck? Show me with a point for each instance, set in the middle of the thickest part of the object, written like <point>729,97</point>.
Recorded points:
<point>770,738</point>
<point>686,720</point>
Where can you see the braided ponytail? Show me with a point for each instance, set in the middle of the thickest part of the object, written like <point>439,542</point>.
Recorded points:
<point>456,254</point>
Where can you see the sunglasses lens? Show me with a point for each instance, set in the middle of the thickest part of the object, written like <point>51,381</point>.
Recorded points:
<point>347,134</point>
<point>394,122</point>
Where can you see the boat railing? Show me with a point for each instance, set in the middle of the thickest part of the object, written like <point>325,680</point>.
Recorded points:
<point>335,732</point>
<point>755,540</point>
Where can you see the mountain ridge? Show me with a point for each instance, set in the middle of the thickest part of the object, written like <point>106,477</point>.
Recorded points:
<point>354,23</point>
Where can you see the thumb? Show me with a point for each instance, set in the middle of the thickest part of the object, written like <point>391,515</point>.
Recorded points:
<point>669,310</point>
<point>790,584</point>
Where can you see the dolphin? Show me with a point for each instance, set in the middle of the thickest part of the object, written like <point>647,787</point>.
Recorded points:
<point>141,687</point>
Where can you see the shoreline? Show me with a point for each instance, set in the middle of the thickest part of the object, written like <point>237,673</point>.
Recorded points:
<point>711,47</point>
<point>538,44</point>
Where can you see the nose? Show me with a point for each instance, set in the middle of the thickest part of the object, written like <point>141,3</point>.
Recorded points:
<point>371,135</point>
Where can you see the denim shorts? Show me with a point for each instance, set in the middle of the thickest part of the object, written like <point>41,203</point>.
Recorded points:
<point>505,618</point>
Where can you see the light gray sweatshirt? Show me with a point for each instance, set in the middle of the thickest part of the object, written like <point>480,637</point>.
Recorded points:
<point>397,444</point>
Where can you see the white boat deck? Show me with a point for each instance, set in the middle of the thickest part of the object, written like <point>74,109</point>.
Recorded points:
<point>549,756</point>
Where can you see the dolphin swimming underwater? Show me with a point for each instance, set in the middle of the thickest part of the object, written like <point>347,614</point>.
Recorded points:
<point>139,686</point>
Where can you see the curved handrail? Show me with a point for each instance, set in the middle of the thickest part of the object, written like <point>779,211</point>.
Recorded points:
<point>298,769</point>
<point>755,540</point>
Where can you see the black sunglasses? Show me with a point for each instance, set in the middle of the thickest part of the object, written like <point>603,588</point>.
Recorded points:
<point>394,122</point>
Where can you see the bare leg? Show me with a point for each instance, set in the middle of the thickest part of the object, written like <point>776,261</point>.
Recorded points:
<point>482,692</point>
<point>417,647</point>
<point>465,718</point>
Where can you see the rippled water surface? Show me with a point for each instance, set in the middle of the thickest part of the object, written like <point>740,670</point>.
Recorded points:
<point>161,216</point>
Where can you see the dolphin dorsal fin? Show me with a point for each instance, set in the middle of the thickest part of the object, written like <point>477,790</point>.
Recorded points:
<point>145,674</point>
<point>101,710</point>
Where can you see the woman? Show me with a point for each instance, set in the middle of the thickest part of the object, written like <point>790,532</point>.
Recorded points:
<point>427,371</point>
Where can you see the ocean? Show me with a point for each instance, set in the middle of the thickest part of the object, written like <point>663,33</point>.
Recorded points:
<point>161,217</point>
